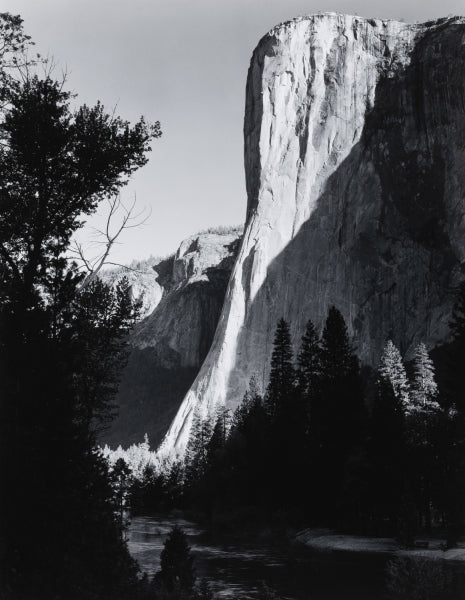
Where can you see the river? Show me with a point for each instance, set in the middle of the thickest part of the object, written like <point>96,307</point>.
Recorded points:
<point>237,570</point>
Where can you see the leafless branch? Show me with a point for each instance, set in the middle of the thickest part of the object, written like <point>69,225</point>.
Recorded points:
<point>108,237</point>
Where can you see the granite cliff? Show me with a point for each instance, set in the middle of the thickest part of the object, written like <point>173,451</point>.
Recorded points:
<point>354,159</point>
<point>182,297</point>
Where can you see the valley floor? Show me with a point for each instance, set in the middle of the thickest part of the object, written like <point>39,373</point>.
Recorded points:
<point>325,540</point>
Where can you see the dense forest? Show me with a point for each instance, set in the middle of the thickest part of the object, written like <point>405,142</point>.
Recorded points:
<point>329,444</point>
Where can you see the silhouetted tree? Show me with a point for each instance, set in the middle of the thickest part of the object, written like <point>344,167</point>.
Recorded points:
<point>287,422</point>
<point>61,345</point>
<point>338,420</point>
<point>177,575</point>
<point>197,448</point>
<point>309,364</point>
<point>219,434</point>
<point>121,479</point>
<point>282,373</point>
<point>247,450</point>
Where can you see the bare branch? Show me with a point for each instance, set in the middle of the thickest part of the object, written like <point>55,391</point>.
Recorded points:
<point>125,267</point>
<point>109,236</point>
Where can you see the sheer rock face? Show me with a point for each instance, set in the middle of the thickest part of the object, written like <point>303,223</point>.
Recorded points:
<point>354,158</point>
<point>182,299</point>
<point>184,322</point>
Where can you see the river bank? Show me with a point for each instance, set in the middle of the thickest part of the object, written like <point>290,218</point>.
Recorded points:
<point>310,564</point>
<point>325,540</point>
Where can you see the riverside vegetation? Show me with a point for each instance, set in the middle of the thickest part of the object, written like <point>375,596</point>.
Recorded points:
<point>329,444</point>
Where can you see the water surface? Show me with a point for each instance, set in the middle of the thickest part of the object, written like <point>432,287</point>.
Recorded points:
<point>239,569</point>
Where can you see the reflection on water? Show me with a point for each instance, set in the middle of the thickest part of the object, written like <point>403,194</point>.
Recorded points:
<point>238,570</point>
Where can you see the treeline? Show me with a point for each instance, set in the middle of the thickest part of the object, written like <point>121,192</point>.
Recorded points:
<point>379,453</point>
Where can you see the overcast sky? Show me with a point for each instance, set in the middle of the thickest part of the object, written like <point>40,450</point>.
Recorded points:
<point>184,63</point>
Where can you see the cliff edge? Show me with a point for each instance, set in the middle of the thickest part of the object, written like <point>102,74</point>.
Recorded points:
<point>354,158</point>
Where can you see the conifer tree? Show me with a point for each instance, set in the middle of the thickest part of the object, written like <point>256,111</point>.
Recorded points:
<point>337,356</point>
<point>424,389</point>
<point>282,375</point>
<point>177,575</point>
<point>251,397</point>
<point>308,361</point>
<point>340,377</point>
<point>248,448</point>
<point>196,458</point>
<point>392,369</point>
<point>245,414</point>
<point>121,479</point>
<point>218,437</point>
<point>338,417</point>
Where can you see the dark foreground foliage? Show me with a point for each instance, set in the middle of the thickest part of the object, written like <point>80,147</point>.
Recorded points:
<point>62,339</point>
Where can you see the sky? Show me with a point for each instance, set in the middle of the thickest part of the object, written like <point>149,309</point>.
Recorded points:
<point>183,63</point>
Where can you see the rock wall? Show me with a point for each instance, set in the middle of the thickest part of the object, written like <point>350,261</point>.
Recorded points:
<point>182,298</point>
<point>354,157</point>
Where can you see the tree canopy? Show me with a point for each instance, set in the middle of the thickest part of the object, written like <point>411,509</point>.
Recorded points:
<point>62,344</point>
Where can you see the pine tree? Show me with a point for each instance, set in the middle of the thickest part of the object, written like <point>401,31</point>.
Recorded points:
<point>222,424</point>
<point>196,458</point>
<point>121,479</point>
<point>309,361</point>
<point>251,396</point>
<point>248,449</point>
<point>217,442</point>
<point>424,390</point>
<point>337,356</point>
<point>392,369</point>
<point>282,375</point>
<point>338,421</point>
<point>199,438</point>
<point>177,574</point>
<point>340,379</point>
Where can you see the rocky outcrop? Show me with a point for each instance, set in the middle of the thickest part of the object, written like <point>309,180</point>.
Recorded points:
<point>182,298</point>
<point>143,280</point>
<point>354,156</point>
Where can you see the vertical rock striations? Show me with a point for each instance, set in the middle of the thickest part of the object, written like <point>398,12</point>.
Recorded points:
<point>354,157</point>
